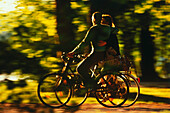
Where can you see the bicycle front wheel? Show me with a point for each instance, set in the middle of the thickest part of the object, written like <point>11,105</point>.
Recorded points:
<point>79,91</point>
<point>54,91</point>
<point>112,90</point>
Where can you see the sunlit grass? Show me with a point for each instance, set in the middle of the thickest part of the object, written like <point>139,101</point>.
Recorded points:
<point>158,92</point>
<point>28,94</point>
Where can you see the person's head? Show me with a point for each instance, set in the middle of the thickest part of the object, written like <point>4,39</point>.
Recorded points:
<point>96,18</point>
<point>107,19</point>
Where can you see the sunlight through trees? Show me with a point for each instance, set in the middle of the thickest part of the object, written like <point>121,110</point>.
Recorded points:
<point>34,30</point>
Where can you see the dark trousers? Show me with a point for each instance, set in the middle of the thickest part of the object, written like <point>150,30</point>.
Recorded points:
<point>85,65</point>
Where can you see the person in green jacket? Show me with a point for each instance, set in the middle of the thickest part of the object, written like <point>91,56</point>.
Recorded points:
<point>113,40</point>
<point>97,37</point>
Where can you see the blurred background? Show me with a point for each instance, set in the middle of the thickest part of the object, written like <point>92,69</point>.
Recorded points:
<point>33,33</point>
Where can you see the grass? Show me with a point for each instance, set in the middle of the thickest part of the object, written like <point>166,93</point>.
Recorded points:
<point>157,92</point>
<point>18,94</point>
<point>28,94</point>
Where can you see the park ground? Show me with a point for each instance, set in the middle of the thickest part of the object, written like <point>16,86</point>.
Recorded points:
<point>154,98</point>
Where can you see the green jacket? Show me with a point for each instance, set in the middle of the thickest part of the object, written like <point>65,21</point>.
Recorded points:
<point>97,34</point>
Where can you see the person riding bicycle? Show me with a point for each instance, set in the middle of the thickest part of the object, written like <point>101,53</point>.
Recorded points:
<point>113,40</point>
<point>97,37</point>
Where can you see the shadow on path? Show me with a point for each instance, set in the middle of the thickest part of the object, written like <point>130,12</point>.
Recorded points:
<point>152,98</point>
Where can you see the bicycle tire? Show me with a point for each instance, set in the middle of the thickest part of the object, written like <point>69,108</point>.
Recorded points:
<point>54,91</point>
<point>79,91</point>
<point>134,89</point>
<point>112,94</point>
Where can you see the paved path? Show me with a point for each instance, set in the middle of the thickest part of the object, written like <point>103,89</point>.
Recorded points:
<point>86,108</point>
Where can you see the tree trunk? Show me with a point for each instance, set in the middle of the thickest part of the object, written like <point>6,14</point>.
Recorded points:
<point>65,27</point>
<point>147,49</point>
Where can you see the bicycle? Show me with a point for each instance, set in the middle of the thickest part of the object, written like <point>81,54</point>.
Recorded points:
<point>133,82</point>
<point>125,70</point>
<point>67,88</point>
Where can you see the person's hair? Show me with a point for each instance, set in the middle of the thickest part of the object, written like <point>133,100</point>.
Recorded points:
<point>97,16</point>
<point>108,19</point>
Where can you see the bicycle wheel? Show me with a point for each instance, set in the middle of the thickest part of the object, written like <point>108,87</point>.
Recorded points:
<point>54,91</point>
<point>112,90</point>
<point>134,90</point>
<point>79,91</point>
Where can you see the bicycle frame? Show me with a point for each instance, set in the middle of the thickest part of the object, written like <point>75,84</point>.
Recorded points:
<point>66,66</point>
<point>104,87</point>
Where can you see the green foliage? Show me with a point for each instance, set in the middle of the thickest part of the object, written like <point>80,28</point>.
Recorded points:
<point>130,32</point>
<point>82,11</point>
<point>29,38</point>
<point>11,60</point>
<point>32,29</point>
<point>22,91</point>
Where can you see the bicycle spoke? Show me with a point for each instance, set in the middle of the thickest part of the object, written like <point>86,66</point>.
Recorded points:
<point>79,92</point>
<point>113,91</point>
<point>134,90</point>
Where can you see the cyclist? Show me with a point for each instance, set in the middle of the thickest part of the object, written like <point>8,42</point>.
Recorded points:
<point>112,41</point>
<point>97,37</point>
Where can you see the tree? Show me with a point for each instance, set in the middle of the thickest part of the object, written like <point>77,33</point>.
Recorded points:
<point>150,22</point>
<point>147,49</point>
<point>65,28</point>
<point>11,60</point>
<point>39,28</point>
<point>31,42</point>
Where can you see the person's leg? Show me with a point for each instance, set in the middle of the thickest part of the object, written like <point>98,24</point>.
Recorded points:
<point>84,67</point>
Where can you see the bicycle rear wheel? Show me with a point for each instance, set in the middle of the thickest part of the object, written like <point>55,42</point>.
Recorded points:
<point>134,90</point>
<point>79,91</point>
<point>54,91</point>
<point>112,90</point>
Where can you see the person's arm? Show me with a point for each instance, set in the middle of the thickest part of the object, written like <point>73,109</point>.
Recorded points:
<point>86,41</point>
<point>78,46</point>
<point>115,30</point>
